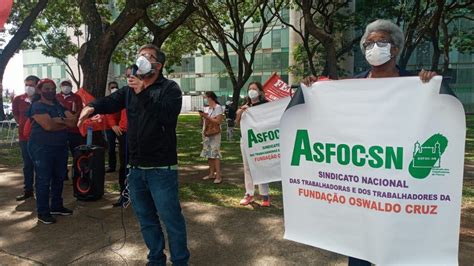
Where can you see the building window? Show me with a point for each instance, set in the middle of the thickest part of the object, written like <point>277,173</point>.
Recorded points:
<point>276,60</point>
<point>188,84</point>
<point>188,65</point>
<point>267,61</point>
<point>285,15</point>
<point>63,72</point>
<point>49,71</point>
<point>216,65</point>
<point>257,63</point>
<point>276,39</point>
<point>39,71</point>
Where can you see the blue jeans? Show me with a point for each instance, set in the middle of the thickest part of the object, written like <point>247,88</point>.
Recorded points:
<point>155,192</point>
<point>51,166</point>
<point>28,168</point>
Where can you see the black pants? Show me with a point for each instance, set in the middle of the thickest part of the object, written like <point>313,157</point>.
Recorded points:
<point>74,140</point>
<point>111,137</point>
<point>123,157</point>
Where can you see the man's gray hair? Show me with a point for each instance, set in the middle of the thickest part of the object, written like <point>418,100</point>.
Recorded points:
<point>396,34</point>
<point>160,56</point>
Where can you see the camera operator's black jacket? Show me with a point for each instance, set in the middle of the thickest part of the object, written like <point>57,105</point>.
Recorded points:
<point>152,117</point>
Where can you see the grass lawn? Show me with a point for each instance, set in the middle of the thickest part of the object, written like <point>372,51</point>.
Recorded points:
<point>469,155</point>
<point>226,194</point>
<point>189,143</point>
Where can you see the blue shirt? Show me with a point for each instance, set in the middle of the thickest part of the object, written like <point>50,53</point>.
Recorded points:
<point>38,134</point>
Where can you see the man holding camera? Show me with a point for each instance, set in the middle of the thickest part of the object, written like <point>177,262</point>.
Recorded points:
<point>153,104</point>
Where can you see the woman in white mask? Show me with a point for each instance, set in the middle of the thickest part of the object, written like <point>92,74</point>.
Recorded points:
<point>211,141</point>
<point>381,44</point>
<point>256,96</point>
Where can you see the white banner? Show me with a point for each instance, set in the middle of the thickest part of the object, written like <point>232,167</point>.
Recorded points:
<point>373,169</point>
<point>260,140</point>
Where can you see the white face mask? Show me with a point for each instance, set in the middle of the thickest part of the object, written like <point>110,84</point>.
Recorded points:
<point>378,55</point>
<point>253,94</point>
<point>144,66</point>
<point>66,89</point>
<point>113,90</point>
<point>29,90</point>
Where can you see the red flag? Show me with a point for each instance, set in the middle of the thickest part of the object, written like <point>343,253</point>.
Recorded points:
<point>5,9</point>
<point>97,122</point>
<point>85,96</point>
<point>275,88</point>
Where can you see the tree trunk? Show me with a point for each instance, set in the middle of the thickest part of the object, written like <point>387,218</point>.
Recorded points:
<point>310,55</point>
<point>435,35</point>
<point>15,43</point>
<point>236,96</point>
<point>446,41</point>
<point>331,60</point>
<point>95,66</point>
<point>404,57</point>
<point>96,53</point>
<point>326,39</point>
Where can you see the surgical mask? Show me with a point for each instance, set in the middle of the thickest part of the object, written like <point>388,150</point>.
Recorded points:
<point>49,95</point>
<point>206,101</point>
<point>253,94</point>
<point>378,55</point>
<point>66,89</point>
<point>113,90</point>
<point>144,66</point>
<point>29,90</point>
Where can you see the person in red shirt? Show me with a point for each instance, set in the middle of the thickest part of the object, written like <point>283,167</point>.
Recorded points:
<point>72,103</point>
<point>113,120</point>
<point>20,105</point>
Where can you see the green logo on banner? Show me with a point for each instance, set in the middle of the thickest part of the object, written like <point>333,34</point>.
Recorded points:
<point>427,156</point>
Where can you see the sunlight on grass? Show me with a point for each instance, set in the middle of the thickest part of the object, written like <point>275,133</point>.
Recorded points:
<point>10,155</point>
<point>229,195</point>
<point>189,138</point>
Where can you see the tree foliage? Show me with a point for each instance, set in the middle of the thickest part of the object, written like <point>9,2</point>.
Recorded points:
<point>221,28</point>
<point>160,26</point>
<point>22,19</point>
<point>325,25</point>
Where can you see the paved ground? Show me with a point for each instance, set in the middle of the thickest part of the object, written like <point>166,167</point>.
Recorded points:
<point>94,235</point>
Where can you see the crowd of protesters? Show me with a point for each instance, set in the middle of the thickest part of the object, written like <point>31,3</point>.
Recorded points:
<point>48,126</point>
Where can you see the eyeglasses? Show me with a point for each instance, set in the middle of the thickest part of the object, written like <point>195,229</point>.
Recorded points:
<point>149,56</point>
<point>381,43</point>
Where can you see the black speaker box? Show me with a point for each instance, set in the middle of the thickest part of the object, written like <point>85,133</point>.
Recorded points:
<point>89,172</point>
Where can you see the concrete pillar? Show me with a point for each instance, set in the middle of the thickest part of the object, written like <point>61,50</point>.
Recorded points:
<point>294,40</point>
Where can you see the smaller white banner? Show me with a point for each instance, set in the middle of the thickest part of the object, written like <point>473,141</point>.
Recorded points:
<point>261,140</point>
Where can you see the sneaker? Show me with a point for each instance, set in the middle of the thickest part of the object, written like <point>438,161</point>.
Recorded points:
<point>208,177</point>
<point>24,196</point>
<point>62,211</point>
<point>265,201</point>
<point>119,203</point>
<point>246,200</point>
<point>46,219</point>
